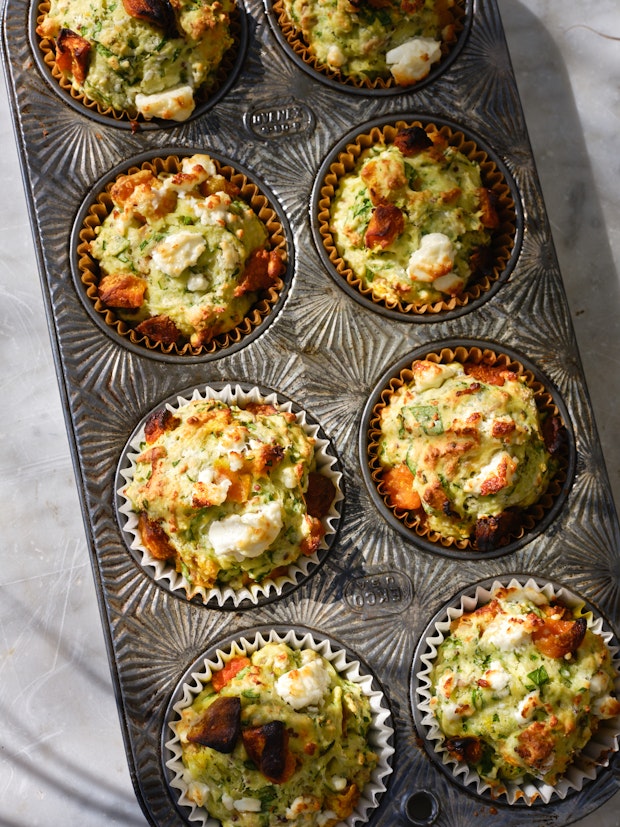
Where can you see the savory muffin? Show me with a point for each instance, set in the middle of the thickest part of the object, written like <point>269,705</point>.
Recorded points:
<point>395,41</point>
<point>413,220</point>
<point>229,495</point>
<point>520,685</point>
<point>278,735</point>
<point>139,57</point>
<point>182,257</point>
<point>464,448</point>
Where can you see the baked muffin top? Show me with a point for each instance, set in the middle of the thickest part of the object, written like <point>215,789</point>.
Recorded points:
<point>142,57</point>
<point>520,685</point>
<point>182,256</point>
<point>279,736</point>
<point>413,219</point>
<point>463,446</point>
<point>398,40</point>
<point>229,495</point>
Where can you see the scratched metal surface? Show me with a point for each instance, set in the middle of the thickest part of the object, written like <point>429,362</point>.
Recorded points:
<point>376,590</point>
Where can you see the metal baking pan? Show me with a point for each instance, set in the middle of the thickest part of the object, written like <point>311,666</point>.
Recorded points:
<point>376,591</point>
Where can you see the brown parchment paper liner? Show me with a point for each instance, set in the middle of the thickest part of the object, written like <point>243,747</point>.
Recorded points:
<point>164,571</point>
<point>595,754</point>
<point>545,404</point>
<point>47,47</point>
<point>300,47</point>
<point>503,238</point>
<point>89,272</point>
<point>380,733</point>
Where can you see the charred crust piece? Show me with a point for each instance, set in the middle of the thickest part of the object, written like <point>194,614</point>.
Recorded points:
<point>160,329</point>
<point>558,638</point>
<point>491,374</point>
<point>261,271</point>
<point>386,224</point>
<point>156,12</point>
<point>412,141</point>
<point>158,423</point>
<point>468,749</point>
<point>481,260</point>
<point>122,290</point>
<point>72,54</point>
<point>220,725</point>
<point>154,538</point>
<point>320,494</point>
<point>311,543</point>
<point>267,747</point>
<point>492,532</point>
<point>554,434</point>
<point>488,209</point>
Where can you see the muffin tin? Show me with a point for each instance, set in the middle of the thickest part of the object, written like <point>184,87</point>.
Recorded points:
<point>376,590</point>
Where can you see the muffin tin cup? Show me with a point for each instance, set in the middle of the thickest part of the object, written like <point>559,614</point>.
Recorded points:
<point>43,51</point>
<point>295,46</point>
<point>596,754</point>
<point>85,270</point>
<point>346,663</point>
<point>536,518</point>
<point>506,239</point>
<point>271,588</point>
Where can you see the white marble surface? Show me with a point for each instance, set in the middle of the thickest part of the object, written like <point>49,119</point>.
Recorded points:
<point>64,763</point>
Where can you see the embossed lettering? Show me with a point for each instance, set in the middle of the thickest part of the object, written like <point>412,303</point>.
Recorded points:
<point>291,118</point>
<point>375,594</point>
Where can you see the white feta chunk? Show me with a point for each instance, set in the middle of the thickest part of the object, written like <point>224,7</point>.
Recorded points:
<point>177,252</point>
<point>412,60</point>
<point>434,258</point>
<point>498,473</point>
<point>248,805</point>
<point>240,536</point>
<point>173,104</point>
<point>304,686</point>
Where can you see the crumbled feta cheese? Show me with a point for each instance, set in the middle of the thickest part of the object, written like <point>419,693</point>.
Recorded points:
<point>599,684</point>
<point>188,165</point>
<point>197,282</point>
<point>335,56</point>
<point>197,792</point>
<point>248,805</point>
<point>304,686</point>
<point>434,258</point>
<point>289,476</point>
<point>238,537</point>
<point>428,375</point>
<point>325,817</point>
<point>302,804</point>
<point>526,708</point>
<point>496,677</point>
<point>215,209</point>
<point>412,60</point>
<point>178,251</point>
<point>338,783</point>
<point>217,486</point>
<point>172,105</point>
<point>451,284</point>
<point>506,633</point>
<point>228,801</point>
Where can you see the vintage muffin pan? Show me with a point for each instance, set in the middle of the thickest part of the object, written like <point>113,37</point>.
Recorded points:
<point>375,588</point>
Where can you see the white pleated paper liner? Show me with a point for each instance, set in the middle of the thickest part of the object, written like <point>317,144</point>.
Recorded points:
<point>380,736</point>
<point>163,571</point>
<point>584,768</point>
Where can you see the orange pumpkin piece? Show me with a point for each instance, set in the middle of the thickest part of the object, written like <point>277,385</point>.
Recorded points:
<point>225,675</point>
<point>398,482</point>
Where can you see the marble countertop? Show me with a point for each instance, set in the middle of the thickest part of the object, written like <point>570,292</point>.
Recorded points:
<point>64,763</point>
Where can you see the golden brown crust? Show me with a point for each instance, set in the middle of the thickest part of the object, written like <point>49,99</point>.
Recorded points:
<point>558,638</point>
<point>158,423</point>
<point>160,329</point>
<point>154,538</point>
<point>122,290</point>
<point>386,224</point>
<point>73,54</point>
<point>320,494</point>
